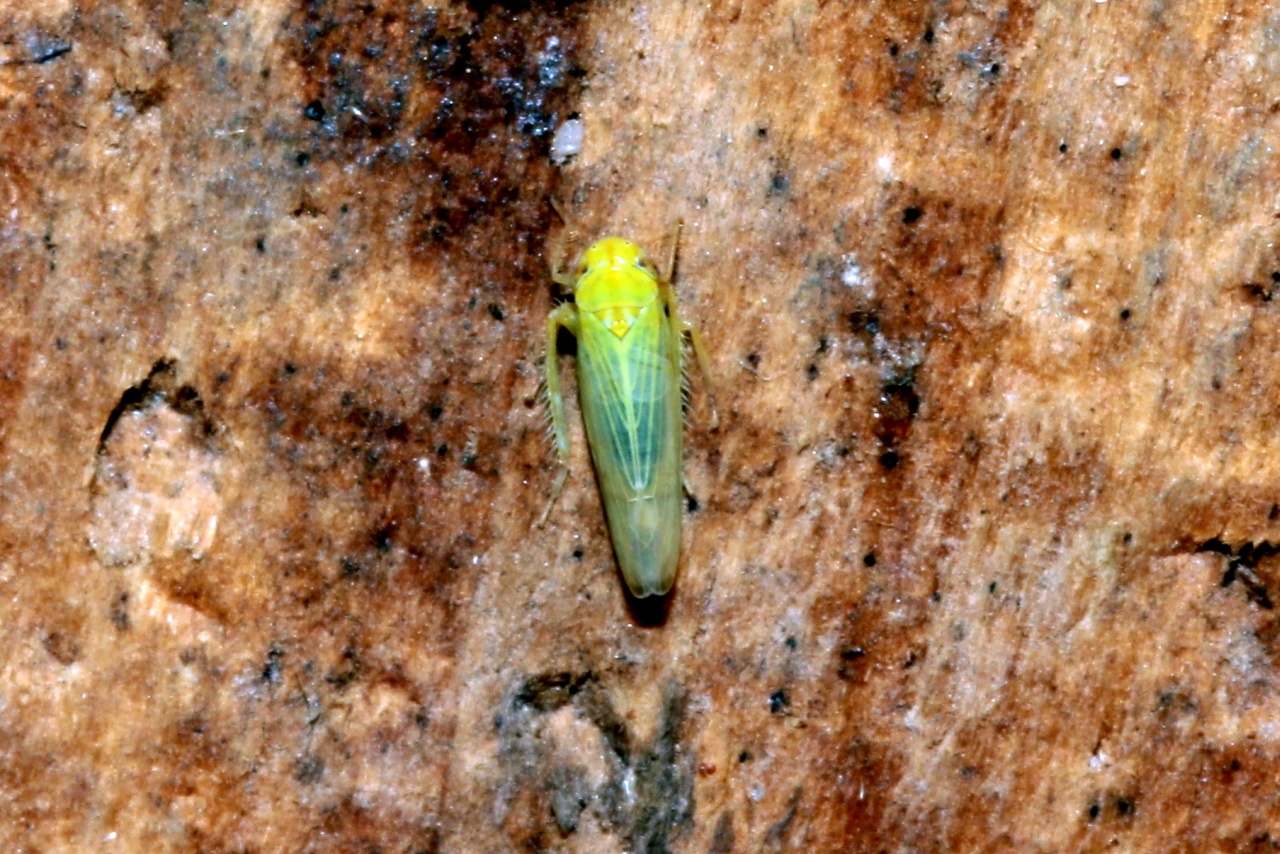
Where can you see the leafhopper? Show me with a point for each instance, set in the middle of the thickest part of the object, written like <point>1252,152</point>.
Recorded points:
<point>630,387</point>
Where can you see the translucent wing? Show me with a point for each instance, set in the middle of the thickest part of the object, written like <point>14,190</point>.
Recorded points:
<point>630,391</point>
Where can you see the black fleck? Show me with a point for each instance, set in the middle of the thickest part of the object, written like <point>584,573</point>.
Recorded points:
<point>779,702</point>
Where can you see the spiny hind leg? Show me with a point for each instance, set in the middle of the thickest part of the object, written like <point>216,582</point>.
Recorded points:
<point>704,367</point>
<point>680,327</point>
<point>567,316</point>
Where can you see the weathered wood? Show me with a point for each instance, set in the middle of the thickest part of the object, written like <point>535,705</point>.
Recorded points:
<point>981,556</point>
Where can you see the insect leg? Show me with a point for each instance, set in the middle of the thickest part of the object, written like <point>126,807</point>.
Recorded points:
<point>567,316</point>
<point>680,326</point>
<point>557,255</point>
<point>704,367</point>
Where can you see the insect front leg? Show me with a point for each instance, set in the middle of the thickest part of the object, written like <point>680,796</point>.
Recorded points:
<point>567,316</point>
<point>555,261</point>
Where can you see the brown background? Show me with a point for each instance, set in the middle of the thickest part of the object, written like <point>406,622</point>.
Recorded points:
<point>981,556</point>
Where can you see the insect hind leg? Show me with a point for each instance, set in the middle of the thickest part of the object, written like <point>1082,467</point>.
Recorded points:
<point>684,327</point>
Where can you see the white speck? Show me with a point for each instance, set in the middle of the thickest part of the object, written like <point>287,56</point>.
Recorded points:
<point>853,276</point>
<point>1098,761</point>
<point>756,792</point>
<point>1122,80</point>
<point>884,163</point>
<point>567,141</point>
<point>110,837</point>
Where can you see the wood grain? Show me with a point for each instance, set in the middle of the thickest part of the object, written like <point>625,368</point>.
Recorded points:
<point>980,558</point>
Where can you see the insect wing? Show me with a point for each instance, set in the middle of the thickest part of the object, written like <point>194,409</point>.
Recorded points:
<point>630,391</point>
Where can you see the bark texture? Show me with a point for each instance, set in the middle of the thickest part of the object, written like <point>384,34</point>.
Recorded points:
<point>980,557</point>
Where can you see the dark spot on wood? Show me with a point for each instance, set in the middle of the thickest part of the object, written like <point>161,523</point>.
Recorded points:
<point>547,692</point>
<point>273,667</point>
<point>61,646</point>
<point>42,50</point>
<point>120,612</point>
<point>866,323</point>
<point>722,840</point>
<point>309,769</point>
<point>779,184</point>
<point>663,782</point>
<point>144,100</point>
<point>777,833</point>
<point>779,702</point>
<point>1258,292</point>
<point>1242,563</point>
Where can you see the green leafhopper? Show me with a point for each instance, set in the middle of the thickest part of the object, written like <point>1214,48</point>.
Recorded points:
<point>630,385</point>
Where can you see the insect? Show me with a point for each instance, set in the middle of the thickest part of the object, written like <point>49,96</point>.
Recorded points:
<point>630,386</point>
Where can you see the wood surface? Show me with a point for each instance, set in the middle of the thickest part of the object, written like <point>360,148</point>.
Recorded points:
<point>982,554</point>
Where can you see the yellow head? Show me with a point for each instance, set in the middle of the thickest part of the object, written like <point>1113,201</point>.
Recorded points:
<point>616,254</point>
<point>614,274</point>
